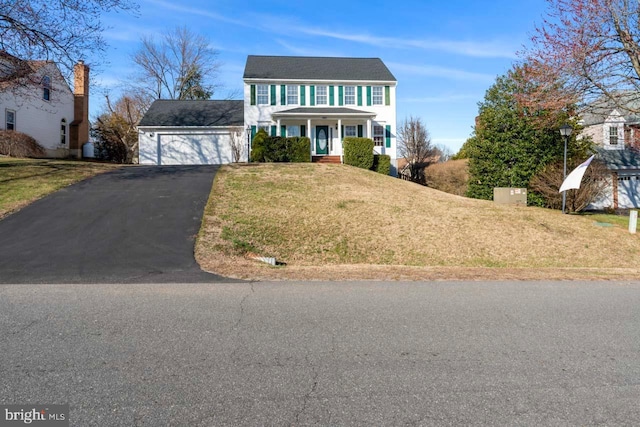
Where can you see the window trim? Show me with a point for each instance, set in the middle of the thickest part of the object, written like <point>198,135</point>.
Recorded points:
<point>346,95</point>
<point>325,96</point>
<point>259,94</point>
<point>6,119</point>
<point>374,96</point>
<point>293,88</point>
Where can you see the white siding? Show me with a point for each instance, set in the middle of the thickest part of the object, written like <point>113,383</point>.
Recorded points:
<point>38,118</point>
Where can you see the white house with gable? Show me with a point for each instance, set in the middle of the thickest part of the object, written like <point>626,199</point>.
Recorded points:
<point>323,98</point>
<point>35,99</point>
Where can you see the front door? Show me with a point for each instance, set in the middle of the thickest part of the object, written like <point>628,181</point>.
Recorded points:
<point>322,140</point>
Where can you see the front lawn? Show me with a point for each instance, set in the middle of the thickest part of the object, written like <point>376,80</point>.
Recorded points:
<point>24,180</point>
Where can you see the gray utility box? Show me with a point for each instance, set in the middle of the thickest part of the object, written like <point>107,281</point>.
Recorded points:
<point>510,196</point>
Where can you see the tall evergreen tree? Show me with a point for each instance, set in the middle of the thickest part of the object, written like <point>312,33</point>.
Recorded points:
<point>513,142</point>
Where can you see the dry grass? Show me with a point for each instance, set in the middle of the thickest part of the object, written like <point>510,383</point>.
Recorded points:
<point>24,180</point>
<point>334,221</point>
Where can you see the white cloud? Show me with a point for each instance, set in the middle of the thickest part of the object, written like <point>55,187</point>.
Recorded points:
<point>489,49</point>
<point>201,12</point>
<point>306,51</point>
<point>443,72</point>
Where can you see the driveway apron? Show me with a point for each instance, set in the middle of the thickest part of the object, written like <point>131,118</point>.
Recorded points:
<point>134,225</point>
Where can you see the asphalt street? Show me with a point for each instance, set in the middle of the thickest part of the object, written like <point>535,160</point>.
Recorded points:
<point>133,225</point>
<point>364,354</point>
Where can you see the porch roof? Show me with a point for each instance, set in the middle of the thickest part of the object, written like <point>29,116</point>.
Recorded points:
<point>332,112</point>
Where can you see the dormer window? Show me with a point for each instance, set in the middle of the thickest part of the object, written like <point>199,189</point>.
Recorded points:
<point>46,88</point>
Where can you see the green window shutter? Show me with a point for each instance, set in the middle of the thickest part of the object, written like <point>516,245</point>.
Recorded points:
<point>254,129</point>
<point>283,95</point>
<point>273,94</point>
<point>283,131</point>
<point>387,95</point>
<point>360,131</point>
<point>360,96</point>
<point>368,95</point>
<point>341,95</point>
<point>312,95</point>
<point>303,130</point>
<point>253,94</point>
<point>331,97</point>
<point>302,95</point>
<point>387,135</point>
<point>273,129</point>
<point>342,133</point>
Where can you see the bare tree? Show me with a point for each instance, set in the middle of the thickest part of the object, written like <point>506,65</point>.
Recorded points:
<point>182,65</point>
<point>591,50</point>
<point>414,143</point>
<point>595,183</point>
<point>115,129</point>
<point>59,30</point>
<point>238,144</point>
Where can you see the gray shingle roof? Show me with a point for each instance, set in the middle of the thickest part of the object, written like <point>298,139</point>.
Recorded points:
<point>172,113</point>
<point>628,106</point>
<point>619,159</point>
<point>316,68</point>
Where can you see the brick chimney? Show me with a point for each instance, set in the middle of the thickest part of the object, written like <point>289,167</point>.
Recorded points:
<point>79,128</point>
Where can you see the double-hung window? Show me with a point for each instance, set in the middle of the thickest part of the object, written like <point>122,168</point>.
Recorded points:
<point>263,94</point>
<point>292,95</point>
<point>293,131</point>
<point>377,95</point>
<point>613,135</point>
<point>321,95</point>
<point>349,95</point>
<point>63,131</point>
<point>378,135</point>
<point>350,130</point>
<point>10,120</point>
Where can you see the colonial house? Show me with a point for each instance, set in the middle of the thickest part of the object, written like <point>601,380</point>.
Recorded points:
<point>35,99</point>
<point>325,99</point>
<point>616,133</point>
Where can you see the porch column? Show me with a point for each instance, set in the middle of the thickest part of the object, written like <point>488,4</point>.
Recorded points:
<point>310,137</point>
<point>340,140</point>
<point>368,128</point>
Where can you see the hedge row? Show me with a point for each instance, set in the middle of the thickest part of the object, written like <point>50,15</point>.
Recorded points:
<point>272,149</point>
<point>358,152</point>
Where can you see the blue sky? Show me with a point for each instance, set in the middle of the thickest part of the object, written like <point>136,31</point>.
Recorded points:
<point>444,54</point>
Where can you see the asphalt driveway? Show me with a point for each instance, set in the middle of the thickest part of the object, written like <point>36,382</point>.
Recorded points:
<point>133,225</point>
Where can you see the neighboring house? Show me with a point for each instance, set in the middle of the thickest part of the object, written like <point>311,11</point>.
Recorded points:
<point>191,132</point>
<point>36,100</point>
<point>325,99</point>
<point>616,132</point>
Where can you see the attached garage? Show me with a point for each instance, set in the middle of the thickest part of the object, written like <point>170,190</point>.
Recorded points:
<point>623,191</point>
<point>191,132</point>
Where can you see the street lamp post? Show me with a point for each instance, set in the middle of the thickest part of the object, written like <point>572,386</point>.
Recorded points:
<point>565,131</point>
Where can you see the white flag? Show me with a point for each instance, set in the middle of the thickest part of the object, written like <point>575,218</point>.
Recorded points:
<point>573,180</point>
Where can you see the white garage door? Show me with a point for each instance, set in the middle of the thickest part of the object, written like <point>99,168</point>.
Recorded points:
<point>628,191</point>
<point>194,149</point>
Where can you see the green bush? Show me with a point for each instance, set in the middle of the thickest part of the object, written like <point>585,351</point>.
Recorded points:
<point>258,146</point>
<point>358,152</point>
<point>276,150</point>
<point>299,149</point>
<point>382,164</point>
